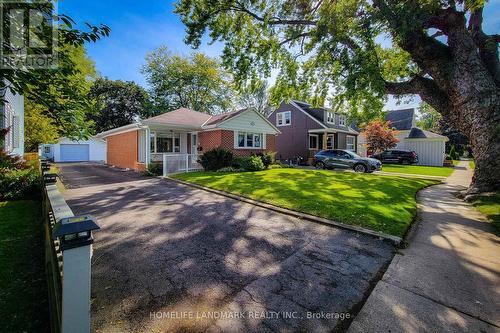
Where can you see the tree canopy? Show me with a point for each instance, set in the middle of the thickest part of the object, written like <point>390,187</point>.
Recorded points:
<point>117,103</point>
<point>196,82</point>
<point>355,52</point>
<point>380,136</point>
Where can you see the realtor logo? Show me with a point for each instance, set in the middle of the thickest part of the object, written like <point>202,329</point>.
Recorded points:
<point>28,34</point>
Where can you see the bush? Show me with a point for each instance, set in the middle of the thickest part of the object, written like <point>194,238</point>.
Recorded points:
<point>453,153</point>
<point>249,163</point>
<point>216,159</point>
<point>267,159</point>
<point>154,169</point>
<point>12,161</point>
<point>18,184</point>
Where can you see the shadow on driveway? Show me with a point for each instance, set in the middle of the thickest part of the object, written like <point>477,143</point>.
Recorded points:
<point>173,258</point>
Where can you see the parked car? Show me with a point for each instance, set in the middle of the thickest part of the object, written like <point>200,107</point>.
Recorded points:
<point>397,156</point>
<point>345,159</point>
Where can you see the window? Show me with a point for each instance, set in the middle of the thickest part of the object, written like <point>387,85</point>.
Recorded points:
<point>330,117</point>
<point>342,120</point>
<point>329,142</point>
<point>46,149</point>
<point>249,140</point>
<point>350,142</point>
<point>165,142</point>
<point>284,118</point>
<point>313,141</point>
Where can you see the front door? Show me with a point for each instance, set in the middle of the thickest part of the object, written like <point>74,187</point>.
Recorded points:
<point>329,141</point>
<point>194,143</point>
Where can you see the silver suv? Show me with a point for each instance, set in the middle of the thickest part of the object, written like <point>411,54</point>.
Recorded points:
<point>345,159</point>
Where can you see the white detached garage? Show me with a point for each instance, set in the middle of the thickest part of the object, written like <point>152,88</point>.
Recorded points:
<point>67,150</point>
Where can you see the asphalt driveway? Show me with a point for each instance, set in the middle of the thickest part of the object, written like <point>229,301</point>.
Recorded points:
<point>173,258</point>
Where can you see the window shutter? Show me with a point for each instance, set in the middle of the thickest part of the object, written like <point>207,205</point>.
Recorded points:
<point>15,132</point>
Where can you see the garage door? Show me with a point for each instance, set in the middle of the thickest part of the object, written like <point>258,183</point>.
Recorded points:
<point>74,153</point>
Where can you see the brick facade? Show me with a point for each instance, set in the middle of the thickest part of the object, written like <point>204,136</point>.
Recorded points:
<point>225,139</point>
<point>123,150</point>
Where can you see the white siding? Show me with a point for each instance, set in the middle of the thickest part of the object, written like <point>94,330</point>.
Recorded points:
<point>248,121</point>
<point>13,115</point>
<point>97,149</point>
<point>429,152</point>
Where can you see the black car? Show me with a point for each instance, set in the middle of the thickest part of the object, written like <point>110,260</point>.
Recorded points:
<point>397,156</point>
<point>345,159</point>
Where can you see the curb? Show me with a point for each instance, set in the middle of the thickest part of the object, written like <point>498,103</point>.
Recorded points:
<point>397,241</point>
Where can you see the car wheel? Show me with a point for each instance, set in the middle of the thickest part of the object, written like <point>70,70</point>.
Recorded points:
<point>360,168</point>
<point>320,165</point>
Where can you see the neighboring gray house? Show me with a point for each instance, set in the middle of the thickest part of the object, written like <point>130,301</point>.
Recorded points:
<point>429,146</point>
<point>305,130</point>
<point>12,117</point>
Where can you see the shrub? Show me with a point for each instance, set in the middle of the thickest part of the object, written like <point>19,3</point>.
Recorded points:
<point>267,159</point>
<point>216,159</point>
<point>275,166</point>
<point>252,163</point>
<point>154,169</point>
<point>12,161</point>
<point>453,153</point>
<point>18,184</point>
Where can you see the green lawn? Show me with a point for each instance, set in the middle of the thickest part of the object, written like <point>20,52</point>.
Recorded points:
<point>489,205</point>
<point>472,164</point>
<point>23,292</point>
<point>418,170</point>
<point>381,203</point>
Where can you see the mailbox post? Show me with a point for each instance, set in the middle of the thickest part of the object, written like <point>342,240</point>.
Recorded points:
<point>75,236</point>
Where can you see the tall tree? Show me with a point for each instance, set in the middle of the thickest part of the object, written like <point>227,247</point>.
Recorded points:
<point>38,128</point>
<point>52,88</point>
<point>435,49</point>
<point>256,95</point>
<point>196,82</point>
<point>117,103</point>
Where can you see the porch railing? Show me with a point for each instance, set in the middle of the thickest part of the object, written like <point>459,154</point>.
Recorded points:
<point>178,163</point>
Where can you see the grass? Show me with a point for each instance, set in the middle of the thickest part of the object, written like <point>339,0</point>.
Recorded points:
<point>489,205</point>
<point>23,292</point>
<point>418,170</point>
<point>381,203</point>
<point>456,162</point>
<point>472,164</point>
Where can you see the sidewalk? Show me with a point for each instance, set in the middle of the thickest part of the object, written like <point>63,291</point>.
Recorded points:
<point>448,279</point>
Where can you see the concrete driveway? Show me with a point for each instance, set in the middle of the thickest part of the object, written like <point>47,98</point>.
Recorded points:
<point>173,258</point>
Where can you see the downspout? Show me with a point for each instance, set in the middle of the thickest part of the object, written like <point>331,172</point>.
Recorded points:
<point>148,145</point>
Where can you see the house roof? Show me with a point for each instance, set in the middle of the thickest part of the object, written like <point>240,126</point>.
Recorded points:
<point>319,115</point>
<point>401,119</point>
<point>217,119</point>
<point>418,133</point>
<point>182,117</point>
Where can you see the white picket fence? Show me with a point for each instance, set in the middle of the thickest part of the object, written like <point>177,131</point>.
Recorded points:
<point>178,163</point>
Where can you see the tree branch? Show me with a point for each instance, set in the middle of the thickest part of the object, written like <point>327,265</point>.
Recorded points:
<point>275,20</point>
<point>427,88</point>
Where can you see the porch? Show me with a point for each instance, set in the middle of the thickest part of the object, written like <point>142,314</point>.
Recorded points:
<point>321,139</point>
<point>176,149</point>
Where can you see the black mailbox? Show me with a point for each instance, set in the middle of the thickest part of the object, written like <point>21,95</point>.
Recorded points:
<point>49,178</point>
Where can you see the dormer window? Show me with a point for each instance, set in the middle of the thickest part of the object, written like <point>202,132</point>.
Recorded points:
<point>330,117</point>
<point>342,120</point>
<point>283,118</point>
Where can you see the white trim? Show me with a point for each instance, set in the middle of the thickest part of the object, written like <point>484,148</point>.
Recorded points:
<point>309,141</point>
<point>284,118</point>
<point>333,140</point>
<point>327,113</point>
<point>262,140</point>
<point>353,143</point>
<point>216,126</point>
<point>341,116</point>
<point>119,130</point>
<point>307,114</point>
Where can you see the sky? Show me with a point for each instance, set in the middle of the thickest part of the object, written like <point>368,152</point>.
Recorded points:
<point>140,26</point>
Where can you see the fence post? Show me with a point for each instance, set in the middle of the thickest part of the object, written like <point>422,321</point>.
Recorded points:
<point>73,234</point>
<point>164,165</point>
<point>187,162</point>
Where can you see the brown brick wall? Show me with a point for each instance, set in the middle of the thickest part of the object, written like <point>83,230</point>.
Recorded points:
<point>225,139</point>
<point>122,150</point>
